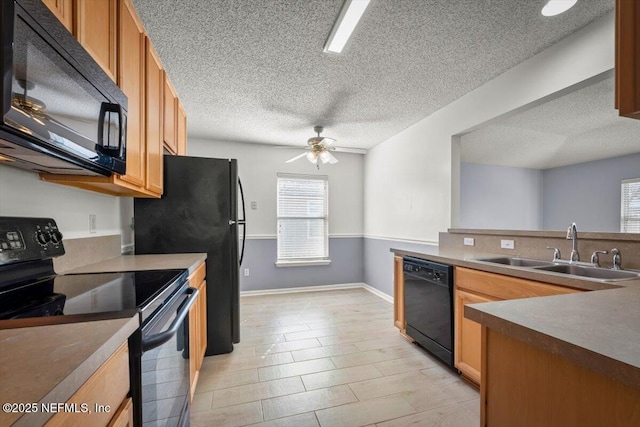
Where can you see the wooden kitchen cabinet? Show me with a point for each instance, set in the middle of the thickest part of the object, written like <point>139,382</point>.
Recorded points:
<point>627,96</point>
<point>112,32</point>
<point>182,130</point>
<point>528,386</point>
<point>197,326</point>
<point>473,286</point>
<point>170,117</point>
<point>143,177</point>
<point>467,342</point>
<point>63,10</point>
<point>398,295</point>
<point>96,30</point>
<point>108,386</point>
<point>153,106</point>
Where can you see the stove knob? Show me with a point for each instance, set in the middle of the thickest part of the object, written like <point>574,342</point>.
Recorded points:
<point>56,236</point>
<point>42,238</point>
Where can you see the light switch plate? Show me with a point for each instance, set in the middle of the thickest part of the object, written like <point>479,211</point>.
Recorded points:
<point>254,205</point>
<point>507,244</point>
<point>469,241</point>
<point>93,223</point>
<point>246,272</point>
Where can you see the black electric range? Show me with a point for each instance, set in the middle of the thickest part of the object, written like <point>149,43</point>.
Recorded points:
<point>158,349</point>
<point>117,293</point>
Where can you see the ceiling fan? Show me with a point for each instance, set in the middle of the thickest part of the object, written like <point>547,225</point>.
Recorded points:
<point>319,147</point>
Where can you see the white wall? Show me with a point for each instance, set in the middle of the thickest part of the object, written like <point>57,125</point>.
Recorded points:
<point>258,166</point>
<point>23,194</point>
<point>500,197</point>
<point>409,185</point>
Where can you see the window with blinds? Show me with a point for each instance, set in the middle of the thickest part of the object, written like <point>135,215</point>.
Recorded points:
<point>303,228</point>
<point>630,210</point>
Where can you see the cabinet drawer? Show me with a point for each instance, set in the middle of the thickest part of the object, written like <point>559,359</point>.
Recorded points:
<point>108,386</point>
<point>505,287</point>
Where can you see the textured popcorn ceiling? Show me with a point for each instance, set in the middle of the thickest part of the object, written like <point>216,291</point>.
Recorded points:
<point>575,128</point>
<point>254,70</point>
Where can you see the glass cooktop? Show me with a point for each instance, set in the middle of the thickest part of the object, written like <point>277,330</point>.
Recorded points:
<point>143,291</point>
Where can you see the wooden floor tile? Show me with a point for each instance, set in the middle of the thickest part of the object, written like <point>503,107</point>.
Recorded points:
<point>446,416</point>
<point>279,407</point>
<point>339,376</point>
<point>367,412</point>
<point>257,391</point>
<point>229,416</point>
<point>296,368</point>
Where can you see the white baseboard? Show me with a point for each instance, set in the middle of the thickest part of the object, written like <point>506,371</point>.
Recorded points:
<point>371,289</point>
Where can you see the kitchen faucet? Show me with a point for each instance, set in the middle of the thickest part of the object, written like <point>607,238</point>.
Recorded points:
<point>616,259</point>
<point>572,234</point>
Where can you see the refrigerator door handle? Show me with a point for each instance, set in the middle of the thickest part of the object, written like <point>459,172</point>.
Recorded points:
<point>242,221</point>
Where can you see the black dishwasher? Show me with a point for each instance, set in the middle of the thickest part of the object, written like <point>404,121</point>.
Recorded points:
<point>428,306</point>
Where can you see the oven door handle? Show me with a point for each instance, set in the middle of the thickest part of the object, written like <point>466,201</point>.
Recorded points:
<point>156,340</point>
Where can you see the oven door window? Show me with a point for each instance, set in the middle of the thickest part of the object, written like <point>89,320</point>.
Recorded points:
<point>53,102</point>
<point>165,376</point>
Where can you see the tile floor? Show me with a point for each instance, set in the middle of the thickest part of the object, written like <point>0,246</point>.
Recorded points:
<point>329,358</point>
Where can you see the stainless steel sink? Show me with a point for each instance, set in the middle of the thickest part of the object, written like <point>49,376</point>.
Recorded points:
<point>603,274</point>
<point>516,261</point>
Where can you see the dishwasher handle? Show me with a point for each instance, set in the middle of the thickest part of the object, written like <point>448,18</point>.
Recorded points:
<point>156,340</point>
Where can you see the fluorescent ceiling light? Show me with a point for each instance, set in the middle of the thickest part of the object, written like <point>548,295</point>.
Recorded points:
<point>350,14</point>
<point>556,7</point>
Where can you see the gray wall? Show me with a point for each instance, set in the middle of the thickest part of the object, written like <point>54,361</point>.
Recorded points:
<point>587,193</point>
<point>347,266</point>
<point>500,197</point>
<point>378,265</point>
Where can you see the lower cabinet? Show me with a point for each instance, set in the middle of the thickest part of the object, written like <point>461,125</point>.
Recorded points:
<point>473,286</point>
<point>398,294</point>
<point>105,393</point>
<point>467,343</point>
<point>197,326</point>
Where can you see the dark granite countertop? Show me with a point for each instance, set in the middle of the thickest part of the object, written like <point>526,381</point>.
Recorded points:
<point>599,330</point>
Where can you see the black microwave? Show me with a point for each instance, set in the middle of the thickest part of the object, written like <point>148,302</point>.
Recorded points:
<point>61,113</point>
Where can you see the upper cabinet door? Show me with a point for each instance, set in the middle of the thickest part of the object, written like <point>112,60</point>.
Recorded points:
<point>154,104</point>
<point>96,30</point>
<point>170,106</point>
<point>63,11</point>
<point>131,78</point>
<point>182,129</point>
<point>628,58</point>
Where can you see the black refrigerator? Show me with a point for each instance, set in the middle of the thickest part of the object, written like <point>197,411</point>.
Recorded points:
<point>198,212</point>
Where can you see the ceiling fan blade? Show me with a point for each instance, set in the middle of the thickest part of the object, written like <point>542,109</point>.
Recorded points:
<point>293,159</point>
<point>290,147</point>
<point>332,159</point>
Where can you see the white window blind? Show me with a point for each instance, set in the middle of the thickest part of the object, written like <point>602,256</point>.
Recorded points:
<point>630,210</point>
<point>303,229</point>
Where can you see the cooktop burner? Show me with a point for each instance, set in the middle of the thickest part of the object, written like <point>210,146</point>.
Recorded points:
<point>90,293</point>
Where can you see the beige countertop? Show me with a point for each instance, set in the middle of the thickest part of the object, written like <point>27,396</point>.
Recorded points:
<point>143,262</point>
<point>599,330</point>
<point>48,363</point>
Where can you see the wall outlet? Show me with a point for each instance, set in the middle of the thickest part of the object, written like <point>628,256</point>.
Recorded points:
<point>254,206</point>
<point>507,244</point>
<point>469,241</point>
<point>93,223</point>
<point>246,272</point>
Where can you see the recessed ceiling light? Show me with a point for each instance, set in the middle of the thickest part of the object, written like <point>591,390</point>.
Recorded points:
<point>556,7</point>
<point>348,18</point>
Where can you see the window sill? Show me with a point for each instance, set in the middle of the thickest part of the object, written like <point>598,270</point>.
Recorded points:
<point>308,263</point>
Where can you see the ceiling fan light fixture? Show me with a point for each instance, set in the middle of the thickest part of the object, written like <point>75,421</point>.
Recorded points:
<point>350,14</point>
<point>556,7</point>
<point>312,157</point>
<point>325,156</point>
